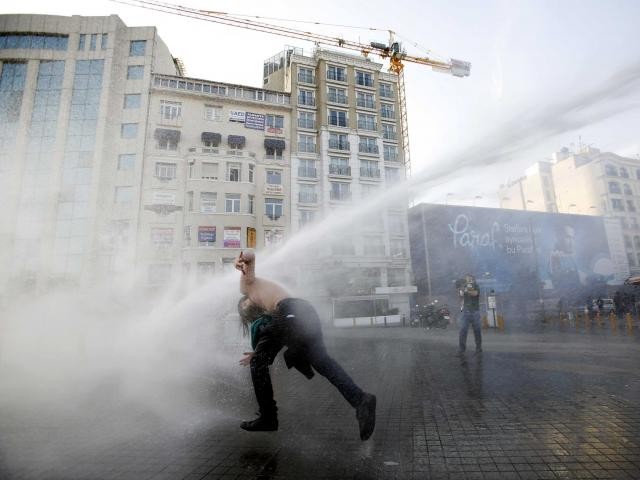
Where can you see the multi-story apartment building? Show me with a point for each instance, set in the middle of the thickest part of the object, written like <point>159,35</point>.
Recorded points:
<point>216,176</point>
<point>345,142</point>
<point>589,182</point>
<point>73,96</point>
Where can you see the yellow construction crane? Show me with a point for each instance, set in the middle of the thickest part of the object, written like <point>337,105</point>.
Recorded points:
<point>392,50</point>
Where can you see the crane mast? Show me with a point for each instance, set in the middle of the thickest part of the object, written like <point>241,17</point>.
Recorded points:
<point>393,50</point>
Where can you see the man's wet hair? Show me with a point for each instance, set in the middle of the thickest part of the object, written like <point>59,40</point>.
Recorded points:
<point>248,313</point>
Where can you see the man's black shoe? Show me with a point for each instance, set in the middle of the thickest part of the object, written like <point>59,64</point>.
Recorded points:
<point>261,424</point>
<point>366,415</point>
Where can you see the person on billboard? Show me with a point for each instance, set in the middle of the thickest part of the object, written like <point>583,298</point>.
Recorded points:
<point>295,324</point>
<point>470,294</point>
<point>563,268</point>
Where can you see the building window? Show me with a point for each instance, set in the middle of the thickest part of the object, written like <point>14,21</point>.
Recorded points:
<point>306,119</point>
<point>396,248</point>
<point>206,236</point>
<point>129,130</point>
<point>340,191</point>
<point>617,204</point>
<point>212,113</point>
<point>387,111</point>
<point>338,141</point>
<point>624,173</point>
<point>392,175</point>
<point>364,79</point>
<point>388,131</point>
<point>368,190</point>
<point>343,246</point>
<point>396,225</point>
<point>208,202</point>
<point>610,170</point>
<point>252,169</point>
<point>82,41</point>
<point>631,207</point>
<point>307,169</point>
<point>189,201</point>
<point>627,189</point>
<point>374,246</point>
<point>126,161</point>
<point>368,145</point>
<point>186,235</point>
<point>339,166</point>
<point>104,41</point>
<point>209,171</point>
<point>365,100</point>
<point>306,217</point>
<point>170,110</point>
<point>336,73</point>
<point>369,169</point>
<point>135,72</point>
<point>367,122</point>
<point>250,207</point>
<point>390,153</point>
<point>338,118</point>
<point>132,100</point>
<point>305,75</point>
<point>94,41</point>
<point>307,193</point>
<point>274,121</point>
<point>167,139</point>
<point>614,187</point>
<point>123,195</point>
<point>273,208</point>
<point>232,203</point>
<point>306,98</point>
<point>337,95</point>
<point>137,48</point>
<point>386,90</point>
<point>234,172</point>
<point>274,177</point>
<point>38,42</point>
<point>165,171</point>
<point>306,143</point>
<point>396,277</point>
<point>162,236</point>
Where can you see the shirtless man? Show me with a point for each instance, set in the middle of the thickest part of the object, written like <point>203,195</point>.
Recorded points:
<point>295,325</point>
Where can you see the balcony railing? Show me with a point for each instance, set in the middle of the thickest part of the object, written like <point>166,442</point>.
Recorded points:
<point>337,98</point>
<point>304,123</point>
<point>307,197</point>
<point>308,172</point>
<point>391,114</point>
<point>368,148</point>
<point>389,135</point>
<point>364,81</point>
<point>306,78</point>
<point>307,101</point>
<point>340,196</point>
<point>339,144</point>
<point>390,156</point>
<point>307,147</point>
<point>340,77</point>
<point>369,172</point>
<point>367,125</point>
<point>364,103</point>
<point>339,170</point>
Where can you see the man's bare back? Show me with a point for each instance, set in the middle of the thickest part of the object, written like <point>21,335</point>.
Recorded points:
<point>263,293</point>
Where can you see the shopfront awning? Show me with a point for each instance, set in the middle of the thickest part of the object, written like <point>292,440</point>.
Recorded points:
<point>236,140</point>
<point>275,143</point>
<point>167,134</point>
<point>214,138</point>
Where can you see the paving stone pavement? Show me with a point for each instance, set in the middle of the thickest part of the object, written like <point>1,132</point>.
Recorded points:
<point>550,405</point>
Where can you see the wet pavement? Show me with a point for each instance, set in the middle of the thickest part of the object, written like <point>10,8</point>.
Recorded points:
<point>551,405</point>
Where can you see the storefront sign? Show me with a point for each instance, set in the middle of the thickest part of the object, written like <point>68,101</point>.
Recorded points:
<point>254,121</point>
<point>232,237</point>
<point>207,234</point>
<point>236,116</point>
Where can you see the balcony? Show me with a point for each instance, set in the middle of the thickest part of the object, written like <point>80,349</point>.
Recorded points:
<point>340,196</point>
<point>364,81</point>
<point>389,114</point>
<point>307,148</point>
<point>304,123</point>
<point>335,98</point>
<point>368,148</point>
<point>306,101</point>
<point>340,170</point>
<point>367,125</point>
<point>336,76</point>
<point>366,103</point>
<point>342,145</point>
<point>307,172</point>
<point>306,78</point>
<point>389,135</point>
<point>205,150</point>
<point>306,197</point>
<point>390,156</point>
<point>369,172</point>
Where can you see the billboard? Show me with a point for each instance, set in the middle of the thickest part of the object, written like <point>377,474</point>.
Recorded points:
<point>535,253</point>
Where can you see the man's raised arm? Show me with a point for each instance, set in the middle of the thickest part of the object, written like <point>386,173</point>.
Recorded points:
<point>246,263</point>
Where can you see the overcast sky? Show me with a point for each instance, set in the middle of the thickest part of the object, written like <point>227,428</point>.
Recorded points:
<point>544,73</point>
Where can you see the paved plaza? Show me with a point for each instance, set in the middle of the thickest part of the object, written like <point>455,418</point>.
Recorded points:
<point>557,404</point>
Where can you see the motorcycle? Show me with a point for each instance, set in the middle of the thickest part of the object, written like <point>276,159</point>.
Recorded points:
<point>431,315</point>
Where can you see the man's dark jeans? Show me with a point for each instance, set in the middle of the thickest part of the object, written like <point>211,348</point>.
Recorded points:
<point>470,317</point>
<point>297,326</point>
